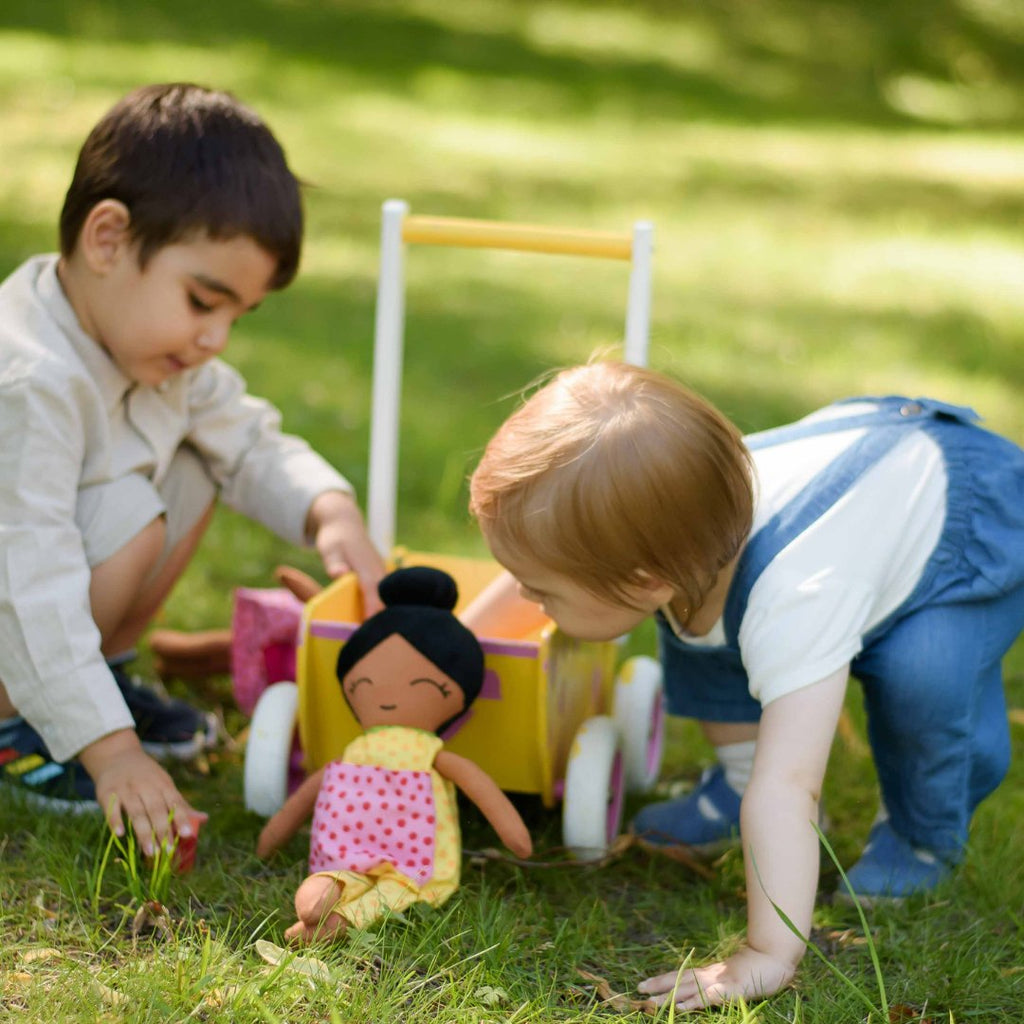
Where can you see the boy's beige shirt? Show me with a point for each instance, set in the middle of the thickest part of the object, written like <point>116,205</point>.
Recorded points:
<point>69,419</point>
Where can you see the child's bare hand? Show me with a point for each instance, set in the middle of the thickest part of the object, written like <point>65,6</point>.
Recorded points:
<point>344,545</point>
<point>746,973</point>
<point>131,785</point>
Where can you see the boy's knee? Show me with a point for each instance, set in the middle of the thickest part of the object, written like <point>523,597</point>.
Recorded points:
<point>119,581</point>
<point>189,496</point>
<point>109,512</point>
<point>138,555</point>
<point>147,545</point>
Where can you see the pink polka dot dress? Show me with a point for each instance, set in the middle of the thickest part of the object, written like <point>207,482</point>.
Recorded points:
<point>383,812</point>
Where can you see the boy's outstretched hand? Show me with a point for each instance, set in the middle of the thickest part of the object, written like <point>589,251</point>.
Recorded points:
<point>130,784</point>
<point>746,973</point>
<point>336,526</point>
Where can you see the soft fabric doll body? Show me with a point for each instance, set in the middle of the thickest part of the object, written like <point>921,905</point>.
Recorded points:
<point>385,830</point>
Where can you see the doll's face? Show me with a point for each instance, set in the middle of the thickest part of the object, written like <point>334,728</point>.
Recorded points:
<point>396,685</point>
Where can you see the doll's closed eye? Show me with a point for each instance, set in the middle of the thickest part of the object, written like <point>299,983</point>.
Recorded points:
<point>355,683</point>
<point>443,687</point>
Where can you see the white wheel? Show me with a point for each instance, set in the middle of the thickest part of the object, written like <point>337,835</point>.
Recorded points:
<point>639,713</point>
<point>269,748</point>
<point>592,804</point>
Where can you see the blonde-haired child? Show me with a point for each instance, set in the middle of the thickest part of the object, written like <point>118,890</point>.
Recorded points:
<point>878,536</point>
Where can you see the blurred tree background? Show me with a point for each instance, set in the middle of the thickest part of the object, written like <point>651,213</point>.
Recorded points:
<point>837,190</point>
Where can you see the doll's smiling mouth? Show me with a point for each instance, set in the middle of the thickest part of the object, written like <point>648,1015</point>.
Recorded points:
<point>388,707</point>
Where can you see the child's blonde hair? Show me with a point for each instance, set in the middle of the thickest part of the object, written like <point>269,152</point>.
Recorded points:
<point>612,475</point>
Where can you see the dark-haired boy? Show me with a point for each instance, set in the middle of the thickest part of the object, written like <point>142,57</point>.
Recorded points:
<point>118,429</point>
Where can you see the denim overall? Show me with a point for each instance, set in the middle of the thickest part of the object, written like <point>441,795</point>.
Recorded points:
<point>931,671</point>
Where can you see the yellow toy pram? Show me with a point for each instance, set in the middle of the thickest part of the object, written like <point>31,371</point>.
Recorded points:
<point>556,717</point>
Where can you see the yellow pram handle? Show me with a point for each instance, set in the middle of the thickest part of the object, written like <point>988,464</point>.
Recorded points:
<point>486,234</point>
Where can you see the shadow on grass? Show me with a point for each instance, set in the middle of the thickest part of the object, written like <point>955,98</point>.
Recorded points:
<point>847,61</point>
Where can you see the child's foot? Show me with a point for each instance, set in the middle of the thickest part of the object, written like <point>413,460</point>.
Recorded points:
<point>167,727</point>
<point>708,819</point>
<point>890,868</point>
<point>28,772</point>
<point>333,927</point>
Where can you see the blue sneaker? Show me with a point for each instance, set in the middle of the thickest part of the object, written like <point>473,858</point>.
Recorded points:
<point>167,728</point>
<point>708,819</point>
<point>29,773</point>
<point>890,868</point>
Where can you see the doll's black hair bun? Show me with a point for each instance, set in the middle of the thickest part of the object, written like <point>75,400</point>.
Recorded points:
<point>419,584</point>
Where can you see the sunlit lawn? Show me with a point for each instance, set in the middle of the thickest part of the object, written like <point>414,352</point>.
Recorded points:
<point>837,193</point>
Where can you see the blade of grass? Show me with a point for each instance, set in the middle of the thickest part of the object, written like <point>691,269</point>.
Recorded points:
<point>863,921</point>
<point>788,922</point>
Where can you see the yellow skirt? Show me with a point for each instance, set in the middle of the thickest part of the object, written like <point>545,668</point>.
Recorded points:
<point>365,898</point>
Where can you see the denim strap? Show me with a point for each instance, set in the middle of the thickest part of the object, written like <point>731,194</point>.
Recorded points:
<point>884,427</point>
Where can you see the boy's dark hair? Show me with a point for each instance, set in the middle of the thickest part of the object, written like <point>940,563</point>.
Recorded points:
<point>186,159</point>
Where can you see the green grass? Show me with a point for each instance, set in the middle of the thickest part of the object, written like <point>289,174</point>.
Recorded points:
<point>837,196</point>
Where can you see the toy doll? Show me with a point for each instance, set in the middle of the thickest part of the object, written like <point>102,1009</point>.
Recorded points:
<point>385,830</point>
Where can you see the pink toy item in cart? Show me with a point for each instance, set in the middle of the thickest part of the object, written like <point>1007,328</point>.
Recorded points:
<point>264,632</point>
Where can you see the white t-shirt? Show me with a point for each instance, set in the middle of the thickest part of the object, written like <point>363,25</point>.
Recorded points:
<point>810,608</point>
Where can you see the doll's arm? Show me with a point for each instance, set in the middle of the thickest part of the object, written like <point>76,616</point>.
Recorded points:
<point>301,584</point>
<point>493,804</point>
<point>297,809</point>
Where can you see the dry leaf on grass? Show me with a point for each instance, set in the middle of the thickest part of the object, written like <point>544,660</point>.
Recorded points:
<point>151,916</point>
<point>679,853</point>
<point>905,1013</point>
<point>218,997</point>
<point>109,996</point>
<point>44,911</point>
<point>307,965</point>
<point>619,1002</point>
<point>33,956</point>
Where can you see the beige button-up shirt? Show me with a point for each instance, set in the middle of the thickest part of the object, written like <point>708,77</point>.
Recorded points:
<point>70,419</point>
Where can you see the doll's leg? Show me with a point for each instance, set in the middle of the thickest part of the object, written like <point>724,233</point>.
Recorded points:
<point>326,903</point>
<point>390,895</point>
<point>315,903</point>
